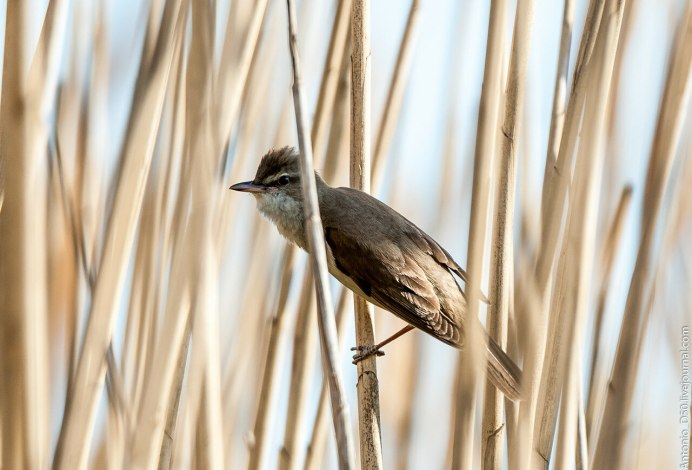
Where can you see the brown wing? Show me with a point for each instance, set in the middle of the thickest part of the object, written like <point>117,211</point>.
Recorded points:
<point>426,243</point>
<point>399,284</point>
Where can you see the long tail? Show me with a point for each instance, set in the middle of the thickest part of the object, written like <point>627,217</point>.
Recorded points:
<point>503,372</point>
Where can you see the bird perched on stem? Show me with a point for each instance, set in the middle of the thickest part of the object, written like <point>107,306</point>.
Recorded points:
<point>378,254</point>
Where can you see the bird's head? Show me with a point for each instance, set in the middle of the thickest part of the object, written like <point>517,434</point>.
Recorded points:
<point>277,189</point>
<point>277,173</point>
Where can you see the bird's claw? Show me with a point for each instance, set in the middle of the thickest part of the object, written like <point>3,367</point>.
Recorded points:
<point>365,352</point>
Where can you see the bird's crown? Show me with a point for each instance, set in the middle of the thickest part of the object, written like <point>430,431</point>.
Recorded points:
<point>277,162</point>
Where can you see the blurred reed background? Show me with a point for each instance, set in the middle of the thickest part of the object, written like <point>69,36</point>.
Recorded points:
<point>150,318</point>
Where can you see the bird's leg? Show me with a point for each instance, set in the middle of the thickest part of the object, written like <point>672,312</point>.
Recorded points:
<point>374,349</point>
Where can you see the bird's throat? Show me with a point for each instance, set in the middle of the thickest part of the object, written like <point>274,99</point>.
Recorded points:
<point>286,213</point>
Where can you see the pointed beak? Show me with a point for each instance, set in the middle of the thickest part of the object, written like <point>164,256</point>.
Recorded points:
<point>248,187</point>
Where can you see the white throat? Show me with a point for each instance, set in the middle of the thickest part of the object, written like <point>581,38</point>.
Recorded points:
<point>286,213</point>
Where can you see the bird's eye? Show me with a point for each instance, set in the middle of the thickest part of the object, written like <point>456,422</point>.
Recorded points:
<point>284,180</point>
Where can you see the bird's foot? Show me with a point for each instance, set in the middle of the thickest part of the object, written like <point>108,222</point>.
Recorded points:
<point>366,351</point>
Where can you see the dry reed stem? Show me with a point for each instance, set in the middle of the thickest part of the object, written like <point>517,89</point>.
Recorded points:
<point>232,75</point>
<point>255,102</point>
<point>582,458</point>
<point>501,252</point>
<point>268,391</point>
<point>15,223</point>
<point>305,331</point>
<point>144,445</point>
<point>168,231</point>
<point>557,117</point>
<point>236,382</point>
<point>486,136</point>
<point>274,359</point>
<point>612,241</point>
<point>611,164</point>
<point>338,138</point>
<point>28,99</point>
<point>337,147</point>
<point>141,299</point>
<point>153,241</point>
<point>318,435</point>
<point>153,20</point>
<point>304,342</point>
<point>390,120</point>
<point>526,310</point>
<point>609,452</point>
<point>580,240</point>
<point>368,383</point>
<point>558,179</point>
<point>248,334</point>
<point>568,419</point>
<point>318,257</point>
<point>166,453</point>
<point>37,98</point>
<point>578,248</point>
<point>552,203</point>
<point>68,213</point>
<point>338,43</point>
<point>137,154</point>
<point>72,214</point>
<point>154,227</point>
<point>625,34</point>
<point>406,431</point>
<point>205,356</point>
<point>395,94</point>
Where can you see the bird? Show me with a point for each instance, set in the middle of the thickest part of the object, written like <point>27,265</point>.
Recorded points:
<point>380,255</point>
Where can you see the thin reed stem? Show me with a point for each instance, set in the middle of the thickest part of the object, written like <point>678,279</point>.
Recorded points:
<point>469,366</point>
<point>318,257</point>
<point>609,452</point>
<point>368,382</point>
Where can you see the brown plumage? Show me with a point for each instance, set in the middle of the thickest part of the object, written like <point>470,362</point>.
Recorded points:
<point>400,268</point>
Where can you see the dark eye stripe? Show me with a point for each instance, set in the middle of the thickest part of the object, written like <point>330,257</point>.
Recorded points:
<point>281,180</point>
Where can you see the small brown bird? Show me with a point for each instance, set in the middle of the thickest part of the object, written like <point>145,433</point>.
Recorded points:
<point>378,254</point>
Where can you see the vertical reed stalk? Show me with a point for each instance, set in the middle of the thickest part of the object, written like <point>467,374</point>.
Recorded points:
<point>469,365</point>
<point>301,370</point>
<point>77,424</point>
<point>557,117</point>
<point>613,237</point>
<point>318,436</point>
<point>338,43</point>
<point>232,74</point>
<point>501,252</point>
<point>337,147</point>
<point>305,331</point>
<point>578,245</point>
<point>553,206</point>
<point>318,256</point>
<point>609,452</point>
<point>15,225</point>
<point>368,384</point>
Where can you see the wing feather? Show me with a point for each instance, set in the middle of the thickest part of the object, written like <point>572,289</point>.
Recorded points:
<point>399,285</point>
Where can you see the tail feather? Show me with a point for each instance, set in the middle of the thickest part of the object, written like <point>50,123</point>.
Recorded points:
<point>503,372</point>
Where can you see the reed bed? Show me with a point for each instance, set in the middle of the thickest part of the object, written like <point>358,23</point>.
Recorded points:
<point>151,319</point>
